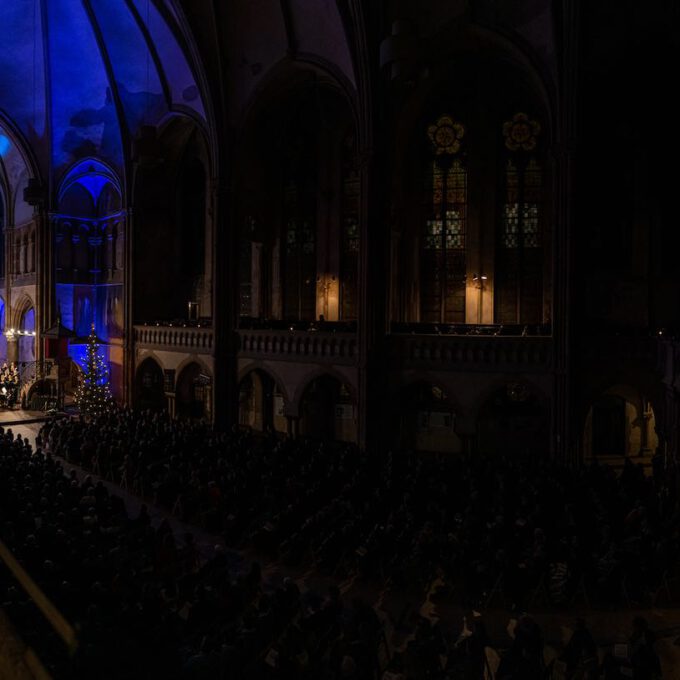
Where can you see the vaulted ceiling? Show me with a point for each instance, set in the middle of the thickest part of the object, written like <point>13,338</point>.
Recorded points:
<point>79,78</point>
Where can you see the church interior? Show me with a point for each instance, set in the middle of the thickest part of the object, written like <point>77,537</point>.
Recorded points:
<point>338,339</point>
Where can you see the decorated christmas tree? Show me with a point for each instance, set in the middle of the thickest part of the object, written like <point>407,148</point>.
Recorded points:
<point>93,395</point>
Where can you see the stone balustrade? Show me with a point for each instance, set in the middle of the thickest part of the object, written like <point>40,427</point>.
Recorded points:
<point>434,352</point>
<point>297,345</point>
<point>472,352</point>
<point>168,338</point>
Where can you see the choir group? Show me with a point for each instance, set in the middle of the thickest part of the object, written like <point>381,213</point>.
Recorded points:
<point>9,385</point>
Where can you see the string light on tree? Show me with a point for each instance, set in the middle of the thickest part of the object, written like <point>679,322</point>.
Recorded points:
<point>94,392</point>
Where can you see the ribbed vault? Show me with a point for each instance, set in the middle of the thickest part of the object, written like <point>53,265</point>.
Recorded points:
<point>79,78</point>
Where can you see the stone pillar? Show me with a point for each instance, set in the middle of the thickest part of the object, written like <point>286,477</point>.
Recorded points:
<point>225,301</point>
<point>170,398</point>
<point>276,310</point>
<point>256,279</point>
<point>374,274</point>
<point>45,280</point>
<point>374,226</point>
<point>645,420</point>
<point>12,349</point>
<point>468,441</point>
<point>208,403</point>
<point>563,420</point>
<point>128,310</point>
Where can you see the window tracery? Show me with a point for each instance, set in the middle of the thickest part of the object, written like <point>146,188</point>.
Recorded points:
<point>443,247</point>
<point>519,277</point>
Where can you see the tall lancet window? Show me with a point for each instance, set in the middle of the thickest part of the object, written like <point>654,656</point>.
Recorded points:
<point>299,223</point>
<point>519,256</point>
<point>442,262</point>
<point>349,247</point>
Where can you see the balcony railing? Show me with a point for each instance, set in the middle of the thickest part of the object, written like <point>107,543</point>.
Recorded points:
<point>175,338</point>
<point>471,352</point>
<point>495,330</point>
<point>299,345</point>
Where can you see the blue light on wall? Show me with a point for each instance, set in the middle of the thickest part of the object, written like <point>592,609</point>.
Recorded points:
<point>5,145</point>
<point>78,352</point>
<point>104,58</point>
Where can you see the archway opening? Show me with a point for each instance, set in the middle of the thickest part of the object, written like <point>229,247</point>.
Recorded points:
<point>513,421</point>
<point>192,394</point>
<point>328,411</point>
<point>89,235</point>
<point>149,386</point>
<point>261,403</point>
<point>620,425</point>
<point>428,420</point>
<point>27,336</point>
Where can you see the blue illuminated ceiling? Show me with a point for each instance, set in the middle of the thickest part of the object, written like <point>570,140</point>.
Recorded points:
<point>78,78</point>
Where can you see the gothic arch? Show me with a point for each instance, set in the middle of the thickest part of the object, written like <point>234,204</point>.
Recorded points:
<point>438,381</point>
<point>622,421</point>
<point>450,238</point>
<point>428,416</point>
<point>297,199</point>
<point>28,158</point>
<point>173,215</point>
<point>320,372</point>
<point>328,414</point>
<point>149,387</point>
<point>86,169</point>
<point>192,396</point>
<point>500,383</point>
<point>259,406</point>
<point>271,372</point>
<point>475,45</point>
<point>149,358</point>
<point>19,308</point>
<point>290,74</point>
<point>194,359</point>
<point>150,354</point>
<point>514,419</point>
<point>643,381</point>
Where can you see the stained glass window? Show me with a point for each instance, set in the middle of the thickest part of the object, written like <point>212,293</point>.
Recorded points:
<point>519,276</point>
<point>442,279</point>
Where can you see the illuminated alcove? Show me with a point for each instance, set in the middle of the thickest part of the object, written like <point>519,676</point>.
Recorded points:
<point>620,424</point>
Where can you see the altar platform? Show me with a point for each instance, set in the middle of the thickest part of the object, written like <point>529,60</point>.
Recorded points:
<point>19,416</point>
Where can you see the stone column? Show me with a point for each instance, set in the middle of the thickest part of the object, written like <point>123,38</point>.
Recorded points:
<point>373,326</point>
<point>45,280</point>
<point>645,420</point>
<point>563,420</point>
<point>374,228</point>
<point>256,279</point>
<point>225,303</point>
<point>12,349</point>
<point>127,230</point>
<point>170,397</point>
